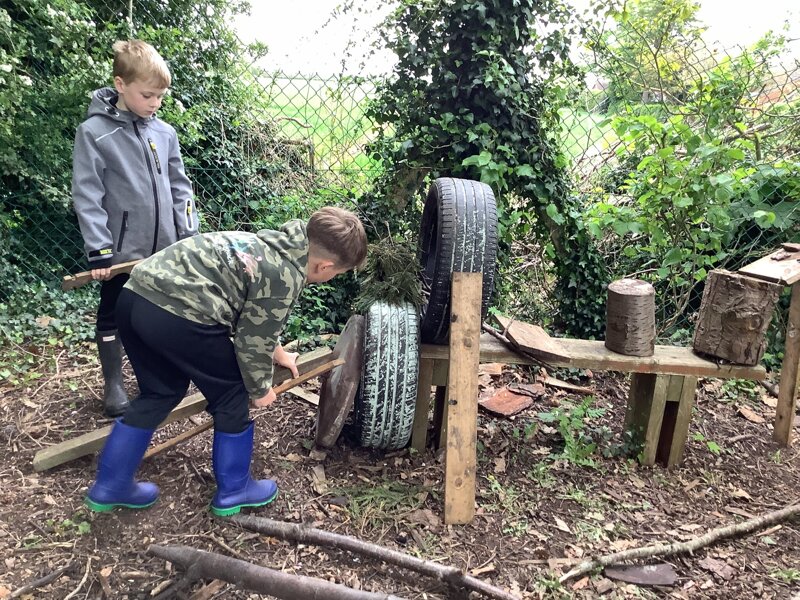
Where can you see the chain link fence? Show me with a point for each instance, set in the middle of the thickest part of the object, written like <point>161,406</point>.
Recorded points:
<point>687,158</point>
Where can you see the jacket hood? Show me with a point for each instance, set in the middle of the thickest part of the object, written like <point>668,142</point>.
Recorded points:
<point>104,103</point>
<point>291,241</point>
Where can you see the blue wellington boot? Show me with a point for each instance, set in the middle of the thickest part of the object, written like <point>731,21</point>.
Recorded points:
<point>230,459</point>
<point>121,456</point>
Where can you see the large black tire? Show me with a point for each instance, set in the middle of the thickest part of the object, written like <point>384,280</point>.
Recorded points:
<point>458,233</point>
<point>384,406</point>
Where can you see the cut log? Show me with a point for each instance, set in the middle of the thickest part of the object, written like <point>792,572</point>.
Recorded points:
<point>734,315</point>
<point>533,339</point>
<point>339,387</point>
<point>631,318</point>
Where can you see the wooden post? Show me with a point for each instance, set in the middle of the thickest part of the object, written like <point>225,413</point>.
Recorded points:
<point>462,398</point>
<point>787,390</point>
<point>419,433</point>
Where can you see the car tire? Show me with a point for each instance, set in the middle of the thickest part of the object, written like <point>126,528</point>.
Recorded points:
<point>458,233</point>
<point>384,406</point>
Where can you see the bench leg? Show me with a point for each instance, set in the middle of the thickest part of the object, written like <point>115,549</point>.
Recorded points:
<point>677,418</point>
<point>645,412</point>
<point>658,416</point>
<point>419,433</point>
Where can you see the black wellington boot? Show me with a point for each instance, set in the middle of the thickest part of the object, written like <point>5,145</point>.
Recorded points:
<point>115,400</point>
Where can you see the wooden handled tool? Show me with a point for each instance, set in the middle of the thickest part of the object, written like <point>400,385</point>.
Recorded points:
<point>286,385</point>
<point>70,282</point>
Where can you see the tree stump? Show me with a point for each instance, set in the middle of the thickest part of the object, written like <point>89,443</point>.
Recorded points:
<point>734,316</point>
<point>631,317</point>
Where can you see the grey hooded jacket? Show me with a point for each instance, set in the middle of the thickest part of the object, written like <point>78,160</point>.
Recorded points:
<point>129,187</point>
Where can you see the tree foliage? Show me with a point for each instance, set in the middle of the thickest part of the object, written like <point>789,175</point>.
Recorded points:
<point>471,96</point>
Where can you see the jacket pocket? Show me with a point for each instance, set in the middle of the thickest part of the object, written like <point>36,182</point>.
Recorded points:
<point>122,229</point>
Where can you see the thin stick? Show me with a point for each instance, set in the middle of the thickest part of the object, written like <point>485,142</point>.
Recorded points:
<point>309,535</point>
<point>286,385</point>
<point>707,539</point>
<point>80,585</point>
<point>41,582</point>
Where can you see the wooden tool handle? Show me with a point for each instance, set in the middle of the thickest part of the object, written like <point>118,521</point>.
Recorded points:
<point>286,385</point>
<point>70,282</point>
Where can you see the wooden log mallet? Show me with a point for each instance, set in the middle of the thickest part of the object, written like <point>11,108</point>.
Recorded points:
<point>286,385</point>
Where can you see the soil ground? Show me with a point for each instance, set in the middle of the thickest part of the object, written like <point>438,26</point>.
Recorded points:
<point>539,509</point>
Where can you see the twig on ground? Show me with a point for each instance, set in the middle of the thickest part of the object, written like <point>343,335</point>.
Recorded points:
<point>300,533</point>
<point>41,582</point>
<point>690,546</point>
<point>82,581</point>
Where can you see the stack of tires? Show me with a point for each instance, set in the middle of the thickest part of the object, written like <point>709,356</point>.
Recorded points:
<point>458,233</point>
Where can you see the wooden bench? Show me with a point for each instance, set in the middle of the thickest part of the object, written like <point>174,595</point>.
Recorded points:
<point>661,394</point>
<point>658,413</point>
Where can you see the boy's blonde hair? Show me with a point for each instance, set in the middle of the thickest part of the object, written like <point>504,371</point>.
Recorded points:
<point>339,234</point>
<point>138,60</point>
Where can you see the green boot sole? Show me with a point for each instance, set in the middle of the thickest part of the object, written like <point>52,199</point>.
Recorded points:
<point>227,512</point>
<point>98,507</point>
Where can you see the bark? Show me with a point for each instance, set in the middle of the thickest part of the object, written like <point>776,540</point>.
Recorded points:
<point>734,316</point>
<point>631,318</point>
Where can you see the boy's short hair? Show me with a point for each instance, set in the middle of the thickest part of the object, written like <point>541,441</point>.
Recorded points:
<point>138,60</point>
<point>340,234</point>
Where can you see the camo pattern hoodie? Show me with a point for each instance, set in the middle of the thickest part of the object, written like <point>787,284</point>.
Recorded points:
<point>245,281</point>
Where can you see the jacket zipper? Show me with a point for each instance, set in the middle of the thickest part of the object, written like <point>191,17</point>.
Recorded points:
<point>155,187</point>
<point>152,145</point>
<point>122,229</point>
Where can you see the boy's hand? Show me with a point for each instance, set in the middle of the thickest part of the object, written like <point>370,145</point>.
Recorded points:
<point>265,400</point>
<point>101,274</point>
<point>286,359</point>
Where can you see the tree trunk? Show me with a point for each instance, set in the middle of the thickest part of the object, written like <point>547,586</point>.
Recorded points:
<point>734,315</point>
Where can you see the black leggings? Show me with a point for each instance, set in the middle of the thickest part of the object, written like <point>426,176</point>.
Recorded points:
<point>166,352</point>
<point>109,293</point>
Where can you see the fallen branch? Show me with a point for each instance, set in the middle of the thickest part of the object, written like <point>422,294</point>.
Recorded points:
<point>209,565</point>
<point>41,582</point>
<point>709,538</point>
<point>772,388</point>
<point>309,535</point>
<point>286,385</point>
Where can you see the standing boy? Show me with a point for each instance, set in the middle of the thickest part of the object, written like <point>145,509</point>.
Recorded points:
<point>210,309</point>
<point>129,189</point>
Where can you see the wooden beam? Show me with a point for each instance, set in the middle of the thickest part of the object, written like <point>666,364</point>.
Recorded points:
<point>91,442</point>
<point>462,398</point>
<point>787,389</point>
<point>592,354</point>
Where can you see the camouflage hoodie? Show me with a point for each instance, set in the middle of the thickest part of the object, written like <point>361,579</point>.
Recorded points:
<point>245,281</point>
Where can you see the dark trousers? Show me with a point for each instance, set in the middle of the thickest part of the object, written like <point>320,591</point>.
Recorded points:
<point>166,352</point>
<point>109,293</point>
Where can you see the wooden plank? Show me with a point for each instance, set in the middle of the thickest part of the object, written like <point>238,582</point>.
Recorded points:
<point>419,432</point>
<point>683,419</point>
<point>462,398</point>
<point>533,339</point>
<point>91,442</point>
<point>592,354</point>
<point>652,431</point>
<point>70,282</point>
<point>787,389</point>
<point>778,267</point>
